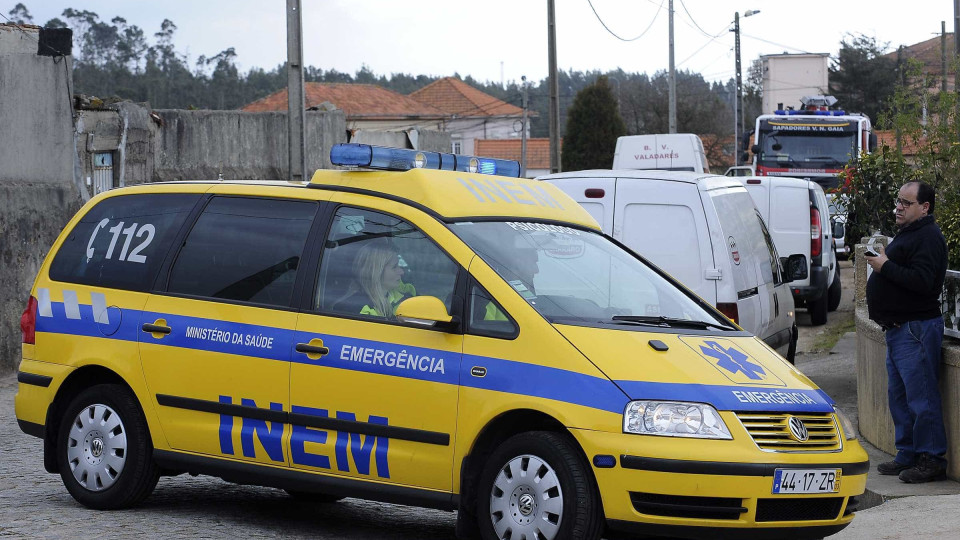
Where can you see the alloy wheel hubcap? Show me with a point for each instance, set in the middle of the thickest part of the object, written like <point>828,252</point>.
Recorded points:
<point>526,500</point>
<point>97,447</point>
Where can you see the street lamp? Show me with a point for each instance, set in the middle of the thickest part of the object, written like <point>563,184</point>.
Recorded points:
<point>738,127</point>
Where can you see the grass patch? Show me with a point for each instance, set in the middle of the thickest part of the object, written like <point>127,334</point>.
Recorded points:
<point>826,340</point>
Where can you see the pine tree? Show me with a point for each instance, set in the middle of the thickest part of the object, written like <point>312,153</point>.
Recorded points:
<point>593,125</point>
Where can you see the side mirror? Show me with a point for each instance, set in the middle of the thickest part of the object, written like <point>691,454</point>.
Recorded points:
<point>794,266</point>
<point>744,157</point>
<point>425,311</point>
<point>755,149</point>
<point>872,142</point>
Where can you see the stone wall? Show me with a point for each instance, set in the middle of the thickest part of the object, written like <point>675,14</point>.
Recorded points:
<point>875,423</point>
<point>39,187</point>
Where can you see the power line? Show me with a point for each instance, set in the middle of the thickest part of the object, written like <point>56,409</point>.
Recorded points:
<point>774,43</point>
<point>614,34</point>
<point>704,32</point>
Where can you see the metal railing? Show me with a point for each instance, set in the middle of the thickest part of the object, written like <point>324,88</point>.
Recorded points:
<point>951,304</point>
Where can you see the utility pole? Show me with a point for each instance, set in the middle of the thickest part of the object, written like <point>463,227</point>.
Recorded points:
<point>523,131</point>
<point>554,89</point>
<point>672,78</point>
<point>943,56</point>
<point>739,116</point>
<point>738,98</point>
<point>296,108</point>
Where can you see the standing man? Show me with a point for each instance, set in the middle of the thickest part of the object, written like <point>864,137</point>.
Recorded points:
<point>903,297</point>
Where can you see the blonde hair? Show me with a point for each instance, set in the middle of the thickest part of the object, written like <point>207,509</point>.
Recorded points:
<point>368,267</point>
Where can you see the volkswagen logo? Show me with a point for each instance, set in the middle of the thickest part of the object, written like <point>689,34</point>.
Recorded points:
<point>96,447</point>
<point>797,429</point>
<point>526,504</point>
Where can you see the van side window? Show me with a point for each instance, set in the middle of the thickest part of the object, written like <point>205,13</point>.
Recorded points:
<point>485,317</point>
<point>121,242</point>
<point>244,249</point>
<point>772,250</point>
<point>373,261</point>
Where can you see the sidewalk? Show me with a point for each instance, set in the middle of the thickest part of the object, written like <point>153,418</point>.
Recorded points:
<point>889,509</point>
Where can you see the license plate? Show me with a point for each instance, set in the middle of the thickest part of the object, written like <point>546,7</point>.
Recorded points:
<point>806,481</point>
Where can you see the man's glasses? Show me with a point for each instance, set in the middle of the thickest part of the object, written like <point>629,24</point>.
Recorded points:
<point>905,203</point>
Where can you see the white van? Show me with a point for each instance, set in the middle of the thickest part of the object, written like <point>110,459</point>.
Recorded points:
<point>798,215</point>
<point>703,230</point>
<point>665,152</point>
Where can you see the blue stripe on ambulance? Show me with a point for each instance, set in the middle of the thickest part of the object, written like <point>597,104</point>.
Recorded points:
<point>430,365</point>
<point>733,398</point>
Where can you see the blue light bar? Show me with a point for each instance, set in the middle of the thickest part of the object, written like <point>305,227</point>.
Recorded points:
<point>404,159</point>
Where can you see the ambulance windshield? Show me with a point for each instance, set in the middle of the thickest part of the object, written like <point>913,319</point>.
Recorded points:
<point>576,276</point>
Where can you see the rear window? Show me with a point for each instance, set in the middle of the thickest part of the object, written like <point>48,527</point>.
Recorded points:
<point>121,242</point>
<point>244,249</point>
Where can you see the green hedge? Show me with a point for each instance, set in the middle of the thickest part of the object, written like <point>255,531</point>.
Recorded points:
<point>927,129</point>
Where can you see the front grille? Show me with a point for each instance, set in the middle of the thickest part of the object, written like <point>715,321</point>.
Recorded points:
<point>654,504</point>
<point>796,509</point>
<point>770,432</point>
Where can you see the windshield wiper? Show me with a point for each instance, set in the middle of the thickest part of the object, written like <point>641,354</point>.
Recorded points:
<point>660,320</point>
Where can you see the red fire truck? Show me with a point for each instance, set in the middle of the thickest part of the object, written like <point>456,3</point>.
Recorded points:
<point>815,142</point>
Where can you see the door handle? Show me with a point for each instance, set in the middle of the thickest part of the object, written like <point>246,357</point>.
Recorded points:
<point>776,305</point>
<point>156,328</point>
<point>307,348</point>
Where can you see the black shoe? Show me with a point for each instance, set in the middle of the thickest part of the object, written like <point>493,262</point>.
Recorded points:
<point>927,469</point>
<point>892,467</point>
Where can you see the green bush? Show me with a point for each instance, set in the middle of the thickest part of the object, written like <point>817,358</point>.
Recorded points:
<point>926,125</point>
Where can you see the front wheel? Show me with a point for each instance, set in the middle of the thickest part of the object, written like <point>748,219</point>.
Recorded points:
<point>104,449</point>
<point>538,485</point>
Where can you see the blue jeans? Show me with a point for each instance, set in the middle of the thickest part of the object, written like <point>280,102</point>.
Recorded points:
<point>913,369</point>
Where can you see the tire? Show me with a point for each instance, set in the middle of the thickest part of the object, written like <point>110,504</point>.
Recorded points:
<point>834,292</point>
<point>792,350</point>
<point>818,309</point>
<point>104,449</point>
<point>562,503</point>
<point>313,498</point>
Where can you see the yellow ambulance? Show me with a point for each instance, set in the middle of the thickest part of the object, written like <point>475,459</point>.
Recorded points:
<point>426,329</point>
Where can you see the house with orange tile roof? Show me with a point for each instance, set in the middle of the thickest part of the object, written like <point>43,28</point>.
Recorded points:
<point>538,153</point>
<point>366,107</point>
<point>472,115</point>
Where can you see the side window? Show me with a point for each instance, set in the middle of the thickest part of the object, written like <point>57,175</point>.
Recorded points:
<point>121,242</point>
<point>772,250</point>
<point>372,262</point>
<point>485,317</point>
<point>244,249</point>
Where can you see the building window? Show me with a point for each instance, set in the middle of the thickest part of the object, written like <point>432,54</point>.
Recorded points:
<point>457,147</point>
<point>103,178</point>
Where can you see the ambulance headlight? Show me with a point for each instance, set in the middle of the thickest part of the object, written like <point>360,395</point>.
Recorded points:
<point>849,432</point>
<point>674,419</point>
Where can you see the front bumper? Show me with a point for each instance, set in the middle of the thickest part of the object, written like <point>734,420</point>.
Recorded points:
<point>710,489</point>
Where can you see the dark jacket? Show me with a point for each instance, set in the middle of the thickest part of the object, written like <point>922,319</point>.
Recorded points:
<point>908,285</point>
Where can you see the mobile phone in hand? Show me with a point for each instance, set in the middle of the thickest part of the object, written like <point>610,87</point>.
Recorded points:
<point>869,252</point>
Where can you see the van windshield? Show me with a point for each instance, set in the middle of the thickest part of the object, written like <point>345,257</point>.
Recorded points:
<point>575,276</point>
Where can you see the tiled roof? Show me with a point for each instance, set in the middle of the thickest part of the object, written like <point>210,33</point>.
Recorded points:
<point>538,150</point>
<point>358,102</point>
<point>458,98</point>
<point>928,52</point>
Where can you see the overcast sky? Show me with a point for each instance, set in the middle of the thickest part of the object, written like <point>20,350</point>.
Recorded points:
<point>503,39</point>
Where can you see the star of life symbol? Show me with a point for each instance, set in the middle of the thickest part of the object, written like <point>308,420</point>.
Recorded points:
<point>733,360</point>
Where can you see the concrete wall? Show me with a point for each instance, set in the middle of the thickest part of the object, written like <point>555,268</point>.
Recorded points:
<point>38,189</point>
<point>789,77</point>
<point>237,145</point>
<point>876,426</point>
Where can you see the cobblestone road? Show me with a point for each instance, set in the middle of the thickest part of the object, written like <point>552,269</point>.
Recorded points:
<point>34,504</point>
